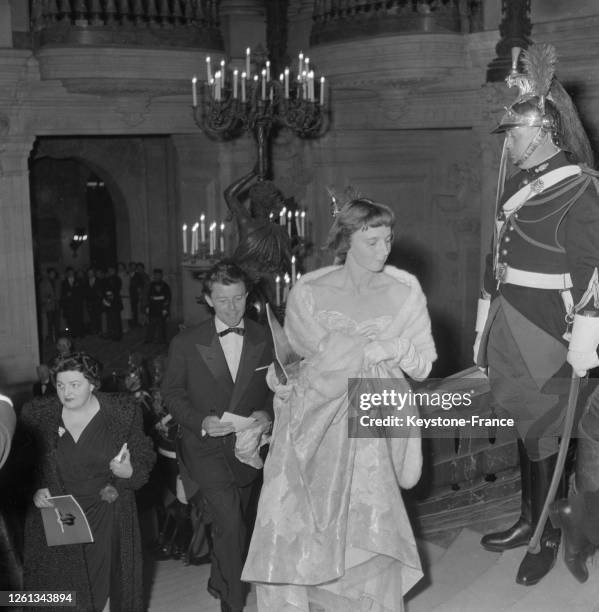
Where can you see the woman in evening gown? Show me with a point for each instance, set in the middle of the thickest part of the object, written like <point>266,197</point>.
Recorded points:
<point>332,532</point>
<point>92,446</point>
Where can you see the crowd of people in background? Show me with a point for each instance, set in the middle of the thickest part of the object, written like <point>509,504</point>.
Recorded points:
<point>107,303</point>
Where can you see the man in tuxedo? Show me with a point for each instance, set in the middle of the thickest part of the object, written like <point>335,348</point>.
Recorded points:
<point>219,366</point>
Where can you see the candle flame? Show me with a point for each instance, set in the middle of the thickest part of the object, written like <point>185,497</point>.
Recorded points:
<point>185,227</point>
<point>195,227</point>
<point>202,217</point>
<point>293,259</point>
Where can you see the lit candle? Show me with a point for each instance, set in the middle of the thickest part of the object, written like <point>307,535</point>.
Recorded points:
<point>286,83</point>
<point>297,222</point>
<point>264,84</point>
<point>217,83</point>
<point>289,217</point>
<point>194,239</point>
<point>303,223</point>
<point>203,227</point>
<point>282,215</point>
<point>271,217</point>
<point>278,290</point>
<point>286,289</point>
<point>184,239</point>
<point>304,84</point>
<point>321,91</point>
<point>194,91</point>
<point>208,70</point>
<point>212,238</point>
<point>243,77</point>
<point>300,63</point>
<point>293,270</point>
<point>235,78</point>
<point>222,237</point>
<point>247,62</point>
<point>267,70</point>
<point>311,85</point>
<point>223,73</point>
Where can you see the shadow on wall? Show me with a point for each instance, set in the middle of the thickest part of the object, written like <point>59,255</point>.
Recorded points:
<point>417,260</point>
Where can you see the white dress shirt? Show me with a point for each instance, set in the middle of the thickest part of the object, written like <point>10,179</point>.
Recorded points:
<point>231,345</point>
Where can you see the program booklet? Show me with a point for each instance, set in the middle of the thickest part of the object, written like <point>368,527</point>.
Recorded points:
<point>66,522</point>
<point>286,359</point>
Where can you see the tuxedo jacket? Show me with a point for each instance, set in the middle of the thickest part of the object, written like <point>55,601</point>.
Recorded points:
<point>197,384</point>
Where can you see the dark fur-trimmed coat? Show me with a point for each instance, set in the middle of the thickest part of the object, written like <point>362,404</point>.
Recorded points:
<point>63,567</point>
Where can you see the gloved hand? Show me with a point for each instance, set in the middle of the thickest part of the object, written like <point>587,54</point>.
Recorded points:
<point>582,352</point>
<point>282,392</point>
<point>382,350</point>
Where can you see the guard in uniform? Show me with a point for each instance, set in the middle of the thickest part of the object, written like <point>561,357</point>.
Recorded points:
<point>159,300</point>
<point>538,313</point>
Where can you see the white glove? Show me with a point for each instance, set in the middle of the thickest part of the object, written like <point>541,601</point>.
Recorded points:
<point>582,352</point>
<point>476,347</point>
<point>482,314</point>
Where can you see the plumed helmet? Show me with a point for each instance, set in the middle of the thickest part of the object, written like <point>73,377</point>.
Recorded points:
<point>542,102</point>
<point>532,112</point>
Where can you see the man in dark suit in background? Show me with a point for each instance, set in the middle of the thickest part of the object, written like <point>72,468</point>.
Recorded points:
<point>219,366</point>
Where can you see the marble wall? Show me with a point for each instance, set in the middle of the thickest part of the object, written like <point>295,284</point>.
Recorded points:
<point>410,122</point>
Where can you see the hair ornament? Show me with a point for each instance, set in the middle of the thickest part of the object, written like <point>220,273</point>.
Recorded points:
<point>339,201</point>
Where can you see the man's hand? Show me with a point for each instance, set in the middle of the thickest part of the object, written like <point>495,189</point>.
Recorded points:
<point>262,418</point>
<point>581,362</point>
<point>215,428</point>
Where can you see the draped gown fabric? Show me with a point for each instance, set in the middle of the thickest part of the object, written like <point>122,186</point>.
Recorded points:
<point>83,466</point>
<point>332,529</point>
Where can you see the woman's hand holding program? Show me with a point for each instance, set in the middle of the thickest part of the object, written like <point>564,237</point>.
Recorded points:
<point>121,466</point>
<point>40,499</point>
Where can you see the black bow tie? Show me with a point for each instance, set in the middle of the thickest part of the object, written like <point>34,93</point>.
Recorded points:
<point>232,330</point>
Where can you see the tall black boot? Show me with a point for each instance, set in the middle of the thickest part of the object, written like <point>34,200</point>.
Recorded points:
<point>578,516</point>
<point>519,533</point>
<point>536,566</point>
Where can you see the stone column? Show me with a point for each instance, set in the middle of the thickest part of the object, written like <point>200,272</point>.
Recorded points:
<point>5,24</point>
<point>300,15</point>
<point>19,350</point>
<point>243,24</point>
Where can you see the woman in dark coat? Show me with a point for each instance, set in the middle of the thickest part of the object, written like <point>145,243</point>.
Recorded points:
<point>92,446</point>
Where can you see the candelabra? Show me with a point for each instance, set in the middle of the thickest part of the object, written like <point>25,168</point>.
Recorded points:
<point>230,103</point>
<point>234,103</point>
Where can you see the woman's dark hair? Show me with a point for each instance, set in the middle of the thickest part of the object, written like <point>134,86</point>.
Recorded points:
<point>78,362</point>
<point>225,272</point>
<point>358,214</point>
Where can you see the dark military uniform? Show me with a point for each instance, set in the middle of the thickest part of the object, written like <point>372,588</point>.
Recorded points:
<point>547,249</point>
<point>158,304</point>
